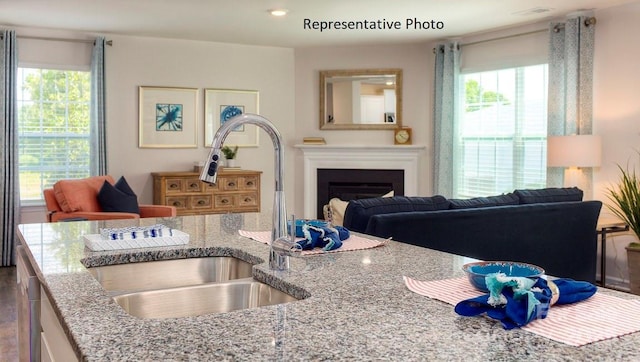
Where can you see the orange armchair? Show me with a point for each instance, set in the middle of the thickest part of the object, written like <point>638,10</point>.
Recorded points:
<point>78,199</point>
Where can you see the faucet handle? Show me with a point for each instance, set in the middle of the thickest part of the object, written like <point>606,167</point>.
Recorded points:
<point>286,246</point>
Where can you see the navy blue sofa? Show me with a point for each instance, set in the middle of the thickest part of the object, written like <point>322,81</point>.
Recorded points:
<point>551,227</point>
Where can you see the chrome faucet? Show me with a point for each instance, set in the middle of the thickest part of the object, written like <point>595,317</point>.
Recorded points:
<point>281,247</point>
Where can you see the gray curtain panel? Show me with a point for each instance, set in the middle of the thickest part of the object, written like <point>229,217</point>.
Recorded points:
<point>98,113</point>
<point>570,104</point>
<point>447,66</point>
<point>9,187</point>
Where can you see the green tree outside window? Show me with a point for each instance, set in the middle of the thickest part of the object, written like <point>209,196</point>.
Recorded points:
<point>53,128</point>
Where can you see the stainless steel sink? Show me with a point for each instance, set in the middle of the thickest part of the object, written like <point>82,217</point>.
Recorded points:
<point>201,299</point>
<point>186,287</point>
<point>123,278</point>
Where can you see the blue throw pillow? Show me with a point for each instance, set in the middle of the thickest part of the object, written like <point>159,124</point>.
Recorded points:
<point>118,198</point>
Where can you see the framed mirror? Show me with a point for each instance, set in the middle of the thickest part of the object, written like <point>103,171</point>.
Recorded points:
<point>361,99</point>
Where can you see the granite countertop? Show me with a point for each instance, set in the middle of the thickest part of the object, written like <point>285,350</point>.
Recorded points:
<point>358,306</point>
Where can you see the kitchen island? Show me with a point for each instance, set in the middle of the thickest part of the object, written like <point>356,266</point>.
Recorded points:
<point>354,305</point>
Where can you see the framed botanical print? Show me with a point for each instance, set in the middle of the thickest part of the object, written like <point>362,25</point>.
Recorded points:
<point>223,104</point>
<point>167,117</point>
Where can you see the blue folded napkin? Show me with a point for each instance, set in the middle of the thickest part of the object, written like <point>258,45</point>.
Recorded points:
<point>516,301</point>
<point>326,237</point>
<point>572,291</point>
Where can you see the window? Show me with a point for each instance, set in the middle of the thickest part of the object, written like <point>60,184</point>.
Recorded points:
<point>53,128</point>
<point>501,131</point>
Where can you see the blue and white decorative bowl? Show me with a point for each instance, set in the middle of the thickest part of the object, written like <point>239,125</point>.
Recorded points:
<point>300,222</point>
<point>476,272</point>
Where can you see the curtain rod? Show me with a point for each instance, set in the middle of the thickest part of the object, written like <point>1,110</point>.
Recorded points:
<point>108,42</point>
<point>587,22</point>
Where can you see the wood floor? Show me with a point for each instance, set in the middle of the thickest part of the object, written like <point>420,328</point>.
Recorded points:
<point>8,315</point>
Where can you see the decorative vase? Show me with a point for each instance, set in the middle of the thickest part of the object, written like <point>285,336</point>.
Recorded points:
<point>231,162</point>
<point>633,264</point>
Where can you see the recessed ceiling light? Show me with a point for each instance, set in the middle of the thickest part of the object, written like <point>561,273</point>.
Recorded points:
<point>278,12</point>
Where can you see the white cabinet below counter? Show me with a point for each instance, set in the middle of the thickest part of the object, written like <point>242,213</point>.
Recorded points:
<point>54,343</point>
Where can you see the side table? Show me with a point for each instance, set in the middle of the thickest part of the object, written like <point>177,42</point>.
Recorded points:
<point>605,227</point>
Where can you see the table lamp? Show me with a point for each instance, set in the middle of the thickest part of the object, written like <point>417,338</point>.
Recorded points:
<point>573,153</point>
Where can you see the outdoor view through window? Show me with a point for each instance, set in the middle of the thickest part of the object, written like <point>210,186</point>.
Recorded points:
<point>501,133</point>
<point>53,128</point>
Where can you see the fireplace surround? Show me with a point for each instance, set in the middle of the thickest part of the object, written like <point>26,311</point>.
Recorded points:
<point>382,157</point>
<point>350,184</point>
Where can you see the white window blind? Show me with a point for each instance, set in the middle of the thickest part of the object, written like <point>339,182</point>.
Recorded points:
<point>54,54</point>
<point>501,131</point>
<point>508,51</point>
<point>53,128</point>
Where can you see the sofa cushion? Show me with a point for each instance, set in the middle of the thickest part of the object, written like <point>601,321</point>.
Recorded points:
<point>499,200</point>
<point>118,198</point>
<point>549,195</point>
<point>505,199</point>
<point>359,211</point>
<point>80,194</point>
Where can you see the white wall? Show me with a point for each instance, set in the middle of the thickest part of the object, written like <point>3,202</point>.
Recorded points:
<point>616,109</point>
<point>133,62</point>
<point>416,61</point>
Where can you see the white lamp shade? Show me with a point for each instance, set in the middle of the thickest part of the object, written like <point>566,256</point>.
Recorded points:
<point>574,151</point>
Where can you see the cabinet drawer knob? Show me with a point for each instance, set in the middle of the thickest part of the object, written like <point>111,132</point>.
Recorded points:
<point>250,183</point>
<point>231,184</point>
<point>224,201</point>
<point>201,202</point>
<point>194,185</point>
<point>248,199</point>
<point>177,204</point>
<point>173,186</point>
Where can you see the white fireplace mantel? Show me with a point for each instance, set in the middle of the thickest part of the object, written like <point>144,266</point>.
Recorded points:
<point>384,157</point>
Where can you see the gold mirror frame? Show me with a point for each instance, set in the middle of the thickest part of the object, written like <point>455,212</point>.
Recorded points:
<point>328,74</point>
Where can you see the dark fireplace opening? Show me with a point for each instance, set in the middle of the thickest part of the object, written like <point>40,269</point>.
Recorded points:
<point>353,184</point>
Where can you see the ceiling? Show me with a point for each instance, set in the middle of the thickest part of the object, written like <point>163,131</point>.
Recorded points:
<point>248,21</point>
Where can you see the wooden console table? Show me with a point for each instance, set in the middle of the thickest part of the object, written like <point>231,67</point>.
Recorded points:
<point>235,191</point>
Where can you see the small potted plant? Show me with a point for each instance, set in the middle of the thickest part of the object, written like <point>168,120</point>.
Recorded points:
<point>625,199</point>
<point>230,155</point>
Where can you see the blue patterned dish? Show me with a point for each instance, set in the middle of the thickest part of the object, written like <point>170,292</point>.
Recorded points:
<point>476,272</point>
<point>300,222</point>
